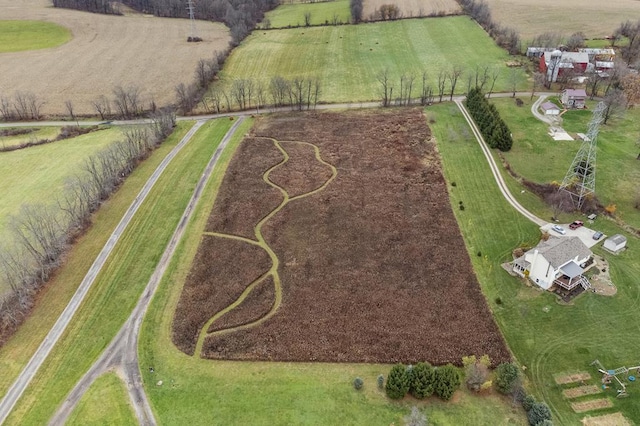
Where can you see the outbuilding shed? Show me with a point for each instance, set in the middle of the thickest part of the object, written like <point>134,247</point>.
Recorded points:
<point>549,108</point>
<point>615,243</point>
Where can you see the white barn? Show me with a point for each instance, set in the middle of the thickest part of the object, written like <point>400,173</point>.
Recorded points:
<point>559,261</point>
<point>615,243</point>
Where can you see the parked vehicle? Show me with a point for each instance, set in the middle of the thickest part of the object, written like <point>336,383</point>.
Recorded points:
<point>559,229</point>
<point>576,224</point>
<point>597,235</point>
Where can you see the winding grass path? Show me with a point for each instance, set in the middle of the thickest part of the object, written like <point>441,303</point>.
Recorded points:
<point>261,242</point>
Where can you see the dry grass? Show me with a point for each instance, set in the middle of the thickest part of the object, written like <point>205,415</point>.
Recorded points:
<point>594,18</point>
<point>572,378</point>
<point>581,391</point>
<point>410,8</point>
<point>105,51</point>
<point>594,404</point>
<point>615,419</point>
<point>372,267</point>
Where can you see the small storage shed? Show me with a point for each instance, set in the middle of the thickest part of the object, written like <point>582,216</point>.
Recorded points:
<point>549,108</point>
<point>615,243</point>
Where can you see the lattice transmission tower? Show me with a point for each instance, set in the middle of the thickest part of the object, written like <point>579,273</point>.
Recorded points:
<point>580,180</point>
<point>192,18</point>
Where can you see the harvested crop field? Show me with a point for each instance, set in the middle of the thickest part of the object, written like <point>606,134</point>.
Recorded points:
<point>105,52</point>
<point>410,8</point>
<point>594,18</point>
<point>368,264</point>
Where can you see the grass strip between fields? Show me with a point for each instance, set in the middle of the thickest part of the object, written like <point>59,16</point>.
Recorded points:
<point>120,283</point>
<point>106,402</point>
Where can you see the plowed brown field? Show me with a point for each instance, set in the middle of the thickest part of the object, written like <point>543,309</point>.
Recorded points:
<point>105,51</point>
<point>371,266</point>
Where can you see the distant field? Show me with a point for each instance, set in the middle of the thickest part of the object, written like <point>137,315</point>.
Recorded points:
<point>31,35</point>
<point>321,13</point>
<point>105,52</point>
<point>409,8</point>
<point>348,58</point>
<point>37,174</point>
<point>593,17</point>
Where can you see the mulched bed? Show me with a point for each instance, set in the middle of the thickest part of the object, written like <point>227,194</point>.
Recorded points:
<point>221,271</point>
<point>373,267</point>
<point>244,198</point>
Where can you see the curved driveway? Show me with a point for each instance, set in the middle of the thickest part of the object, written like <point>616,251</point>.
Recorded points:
<point>495,170</point>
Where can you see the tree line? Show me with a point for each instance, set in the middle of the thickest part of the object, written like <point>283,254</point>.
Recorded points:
<point>298,93</point>
<point>494,130</point>
<point>405,91</point>
<point>505,37</point>
<point>39,234</point>
<point>241,16</point>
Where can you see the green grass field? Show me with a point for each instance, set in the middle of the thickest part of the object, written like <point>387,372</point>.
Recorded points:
<point>539,158</point>
<point>105,403</point>
<point>347,58</point>
<point>545,336</point>
<point>116,291</point>
<point>49,132</point>
<point>322,13</point>
<point>274,393</point>
<point>16,36</point>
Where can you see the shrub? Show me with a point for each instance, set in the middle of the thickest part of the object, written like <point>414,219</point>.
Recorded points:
<point>447,380</point>
<point>358,383</point>
<point>507,375</point>
<point>476,371</point>
<point>398,382</point>
<point>422,380</point>
<point>380,381</point>
<point>538,413</point>
<point>528,402</point>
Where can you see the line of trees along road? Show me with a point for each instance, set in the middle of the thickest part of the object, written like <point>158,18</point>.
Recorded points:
<point>38,236</point>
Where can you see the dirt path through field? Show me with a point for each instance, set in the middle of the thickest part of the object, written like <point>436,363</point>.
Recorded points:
<point>261,242</point>
<point>105,51</point>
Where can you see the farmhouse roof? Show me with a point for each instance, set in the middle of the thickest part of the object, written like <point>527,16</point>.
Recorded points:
<point>568,58</point>
<point>604,64</point>
<point>617,239</point>
<point>576,93</point>
<point>595,51</point>
<point>559,251</point>
<point>549,106</point>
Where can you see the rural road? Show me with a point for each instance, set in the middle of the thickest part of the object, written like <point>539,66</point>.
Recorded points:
<point>495,170</point>
<point>536,111</point>
<point>15,391</point>
<point>121,355</point>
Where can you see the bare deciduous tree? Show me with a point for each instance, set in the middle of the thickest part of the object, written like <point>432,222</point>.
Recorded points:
<point>386,89</point>
<point>442,82</point>
<point>454,75</point>
<point>102,105</point>
<point>615,104</point>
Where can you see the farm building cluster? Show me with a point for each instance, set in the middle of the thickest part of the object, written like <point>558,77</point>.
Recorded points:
<point>556,64</point>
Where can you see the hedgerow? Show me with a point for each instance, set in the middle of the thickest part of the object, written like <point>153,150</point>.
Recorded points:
<point>494,130</point>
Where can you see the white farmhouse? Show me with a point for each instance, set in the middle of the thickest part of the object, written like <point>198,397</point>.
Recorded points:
<point>559,261</point>
<point>615,243</point>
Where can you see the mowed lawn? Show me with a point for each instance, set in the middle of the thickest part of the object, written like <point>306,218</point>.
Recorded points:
<point>105,403</point>
<point>347,58</point>
<point>16,36</point>
<point>546,337</point>
<point>197,391</point>
<point>321,13</point>
<point>537,157</point>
